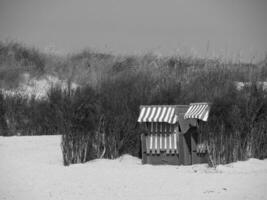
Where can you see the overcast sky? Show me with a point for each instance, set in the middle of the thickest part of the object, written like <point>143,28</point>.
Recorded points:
<point>227,27</point>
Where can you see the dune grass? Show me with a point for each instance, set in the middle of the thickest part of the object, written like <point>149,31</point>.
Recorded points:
<point>102,113</point>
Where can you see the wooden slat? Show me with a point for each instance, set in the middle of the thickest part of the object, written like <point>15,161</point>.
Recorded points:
<point>156,127</point>
<point>176,142</point>
<point>170,128</point>
<point>165,142</point>
<point>158,141</point>
<point>168,144</point>
<point>161,143</point>
<point>150,143</point>
<point>172,142</point>
<point>148,127</point>
<point>153,143</point>
<point>160,129</point>
<point>147,144</point>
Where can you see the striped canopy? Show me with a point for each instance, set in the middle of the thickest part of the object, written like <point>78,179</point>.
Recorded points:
<point>198,111</point>
<point>158,114</point>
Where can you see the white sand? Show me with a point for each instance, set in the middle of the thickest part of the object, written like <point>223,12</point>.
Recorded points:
<point>31,168</point>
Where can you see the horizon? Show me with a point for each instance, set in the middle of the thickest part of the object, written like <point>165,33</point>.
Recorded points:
<point>233,29</point>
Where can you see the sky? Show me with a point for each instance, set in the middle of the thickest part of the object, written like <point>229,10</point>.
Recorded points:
<point>230,28</point>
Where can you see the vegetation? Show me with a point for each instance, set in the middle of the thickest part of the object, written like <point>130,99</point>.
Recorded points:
<point>99,118</point>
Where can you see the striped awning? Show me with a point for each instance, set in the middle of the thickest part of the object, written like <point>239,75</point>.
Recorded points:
<point>158,114</point>
<point>156,143</point>
<point>198,111</point>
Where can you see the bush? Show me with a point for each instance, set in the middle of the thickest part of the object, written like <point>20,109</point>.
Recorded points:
<point>237,125</point>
